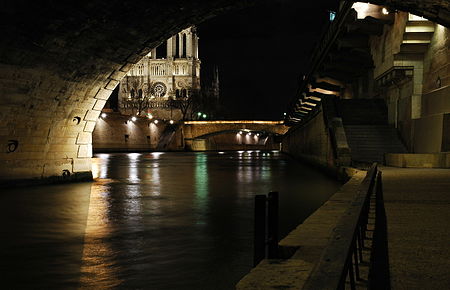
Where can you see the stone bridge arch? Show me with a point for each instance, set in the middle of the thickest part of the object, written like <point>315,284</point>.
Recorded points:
<point>60,61</point>
<point>195,129</point>
<point>232,135</point>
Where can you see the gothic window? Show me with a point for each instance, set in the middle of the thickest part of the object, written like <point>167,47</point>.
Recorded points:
<point>132,93</point>
<point>177,45</point>
<point>140,93</point>
<point>184,45</point>
<point>177,93</point>
<point>161,50</point>
<point>159,89</point>
<point>184,93</point>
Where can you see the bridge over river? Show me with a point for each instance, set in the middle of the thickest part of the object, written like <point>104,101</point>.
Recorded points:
<point>116,132</point>
<point>232,135</point>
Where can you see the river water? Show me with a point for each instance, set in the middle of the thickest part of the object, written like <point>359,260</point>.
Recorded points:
<point>151,221</point>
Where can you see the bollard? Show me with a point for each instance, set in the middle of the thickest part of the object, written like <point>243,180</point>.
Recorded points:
<point>259,238</point>
<point>272,221</point>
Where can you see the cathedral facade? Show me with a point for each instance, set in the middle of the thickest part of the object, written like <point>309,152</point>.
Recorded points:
<point>162,83</point>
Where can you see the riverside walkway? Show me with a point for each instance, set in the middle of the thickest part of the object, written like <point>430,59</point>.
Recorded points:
<point>417,203</point>
<point>417,207</point>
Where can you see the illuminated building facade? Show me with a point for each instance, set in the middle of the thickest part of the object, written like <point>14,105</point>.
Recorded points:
<point>161,84</point>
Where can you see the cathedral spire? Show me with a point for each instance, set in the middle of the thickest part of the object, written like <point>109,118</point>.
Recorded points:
<point>215,84</point>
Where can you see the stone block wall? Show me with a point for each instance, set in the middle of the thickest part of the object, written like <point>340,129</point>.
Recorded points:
<point>416,104</point>
<point>59,66</point>
<point>311,142</point>
<point>61,61</point>
<point>118,133</point>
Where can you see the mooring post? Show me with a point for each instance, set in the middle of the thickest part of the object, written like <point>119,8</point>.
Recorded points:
<point>272,217</point>
<point>259,238</point>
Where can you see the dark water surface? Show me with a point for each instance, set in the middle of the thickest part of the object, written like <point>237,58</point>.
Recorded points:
<point>151,221</point>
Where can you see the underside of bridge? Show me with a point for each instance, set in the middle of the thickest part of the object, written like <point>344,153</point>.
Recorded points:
<point>60,61</point>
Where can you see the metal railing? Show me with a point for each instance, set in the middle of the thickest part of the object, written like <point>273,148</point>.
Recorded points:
<point>265,242</point>
<point>342,257</point>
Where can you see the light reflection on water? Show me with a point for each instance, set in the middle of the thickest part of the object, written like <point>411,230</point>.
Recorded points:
<point>151,220</point>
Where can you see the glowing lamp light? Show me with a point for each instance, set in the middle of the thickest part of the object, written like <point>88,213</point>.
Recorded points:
<point>240,132</point>
<point>171,122</point>
<point>156,121</point>
<point>103,115</point>
<point>199,114</point>
<point>133,119</point>
<point>150,116</point>
<point>204,116</point>
<point>257,135</point>
<point>384,11</point>
<point>249,134</point>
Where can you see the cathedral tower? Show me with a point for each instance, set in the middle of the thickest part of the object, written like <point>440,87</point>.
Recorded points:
<point>162,80</point>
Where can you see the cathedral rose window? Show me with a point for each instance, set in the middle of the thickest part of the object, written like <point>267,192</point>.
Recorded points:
<point>159,89</point>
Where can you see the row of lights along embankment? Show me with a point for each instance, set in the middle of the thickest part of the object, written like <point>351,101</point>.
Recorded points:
<point>134,119</point>
<point>248,133</point>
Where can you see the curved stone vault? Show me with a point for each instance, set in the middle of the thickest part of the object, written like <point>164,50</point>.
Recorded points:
<point>60,61</point>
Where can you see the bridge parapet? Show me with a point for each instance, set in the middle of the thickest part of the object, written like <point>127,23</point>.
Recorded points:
<point>195,129</point>
<point>232,135</point>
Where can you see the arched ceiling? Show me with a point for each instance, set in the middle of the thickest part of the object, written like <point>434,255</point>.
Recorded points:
<point>60,60</point>
<point>434,10</point>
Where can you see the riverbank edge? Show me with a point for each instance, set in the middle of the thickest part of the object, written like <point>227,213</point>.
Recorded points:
<point>341,173</point>
<point>301,249</point>
<point>85,176</point>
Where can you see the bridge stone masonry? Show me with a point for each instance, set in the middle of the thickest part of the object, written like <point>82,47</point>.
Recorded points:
<point>61,61</point>
<point>119,133</point>
<point>236,135</point>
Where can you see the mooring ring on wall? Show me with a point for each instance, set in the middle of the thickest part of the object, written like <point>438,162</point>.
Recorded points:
<point>12,146</point>
<point>76,120</point>
<point>66,173</point>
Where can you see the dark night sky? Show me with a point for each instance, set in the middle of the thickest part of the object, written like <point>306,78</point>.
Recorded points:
<point>261,53</point>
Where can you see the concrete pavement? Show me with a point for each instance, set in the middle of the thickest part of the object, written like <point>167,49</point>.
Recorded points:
<point>417,203</point>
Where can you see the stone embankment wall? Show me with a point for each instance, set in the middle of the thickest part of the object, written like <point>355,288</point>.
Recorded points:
<point>118,133</point>
<point>310,142</point>
<point>321,141</point>
<point>308,240</point>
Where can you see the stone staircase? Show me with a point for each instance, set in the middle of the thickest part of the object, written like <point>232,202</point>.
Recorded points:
<point>417,36</point>
<point>368,133</point>
<point>166,137</point>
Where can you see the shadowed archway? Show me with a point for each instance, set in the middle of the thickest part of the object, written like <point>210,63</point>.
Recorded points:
<point>59,63</point>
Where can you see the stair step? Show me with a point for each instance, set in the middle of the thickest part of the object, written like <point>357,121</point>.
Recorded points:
<point>416,41</point>
<point>423,22</point>
<point>417,35</point>
<point>419,28</point>
<point>413,47</point>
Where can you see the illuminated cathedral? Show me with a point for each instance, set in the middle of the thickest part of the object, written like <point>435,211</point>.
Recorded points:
<point>163,82</point>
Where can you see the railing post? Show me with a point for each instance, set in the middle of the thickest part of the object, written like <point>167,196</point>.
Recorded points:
<point>379,276</point>
<point>272,216</point>
<point>259,238</point>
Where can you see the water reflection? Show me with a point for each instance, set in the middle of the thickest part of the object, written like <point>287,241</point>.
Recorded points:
<point>100,166</point>
<point>201,185</point>
<point>151,221</point>
<point>98,259</point>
